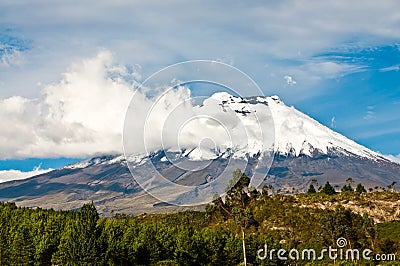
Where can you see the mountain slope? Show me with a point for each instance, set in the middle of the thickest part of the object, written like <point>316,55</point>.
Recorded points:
<point>297,133</point>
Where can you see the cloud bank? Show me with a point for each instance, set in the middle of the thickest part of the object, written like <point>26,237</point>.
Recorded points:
<point>10,175</point>
<point>289,36</point>
<point>81,114</point>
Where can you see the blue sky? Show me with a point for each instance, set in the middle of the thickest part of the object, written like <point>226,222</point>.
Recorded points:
<point>337,61</point>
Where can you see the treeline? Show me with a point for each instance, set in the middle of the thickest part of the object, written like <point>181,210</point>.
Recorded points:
<point>45,237</point>
<point>212,237</point>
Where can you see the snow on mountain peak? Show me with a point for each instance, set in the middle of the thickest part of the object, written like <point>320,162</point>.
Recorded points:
<point>243,127</point>
<point>295,132</point>
<point>222,96</point>
<point>276,98</point>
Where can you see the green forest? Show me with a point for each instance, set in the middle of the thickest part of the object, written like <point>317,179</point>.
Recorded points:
<point>245,219</point>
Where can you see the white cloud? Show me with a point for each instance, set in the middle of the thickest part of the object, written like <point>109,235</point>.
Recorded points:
<point>281,34</point>
<point>11,57</point>
<point>330,69</point>
<point>289,80</point>
<point>370,113</point>
<point>172,121</point>
<point>9,175</point>
<point>390,68</point>
<point>310,74</point>
<point>333,122</point>
<point>83,114</point>
<point>77,116</point>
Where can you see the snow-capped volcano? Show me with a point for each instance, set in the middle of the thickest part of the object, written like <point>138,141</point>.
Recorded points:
<point>259,124</point>
<point>260,135</point>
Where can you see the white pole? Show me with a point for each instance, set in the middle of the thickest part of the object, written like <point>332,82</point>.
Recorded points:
<point>244,249</point>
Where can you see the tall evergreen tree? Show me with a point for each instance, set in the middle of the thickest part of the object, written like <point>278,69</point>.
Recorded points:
<point>237,200</point>
<point>347,188</point>
<point>79,242</point>
<point>328,189</point>
<point>360,189</point>
<point>311,189</point>
<point>21,245</point>
<point>4,240</point>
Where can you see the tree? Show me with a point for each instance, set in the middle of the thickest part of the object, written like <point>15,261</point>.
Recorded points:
<point>79,242</point>
<point>358,230</point>
<point>392,185</point>
<point>236,200</point>
<point>349,181</point>
<point>266,189</point>
<point>21,245</point>
<point>311,189</point>
<point>254,194</point>
<point>347,188</point>
<point>46,229</point>
<point>360,189</point>
<point>328,189</point>
<point>4,240</point>
<point>236,192</point>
